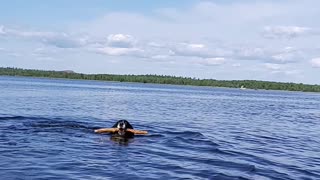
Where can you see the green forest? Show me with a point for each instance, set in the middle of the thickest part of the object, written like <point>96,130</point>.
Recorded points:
<point>162,79</point>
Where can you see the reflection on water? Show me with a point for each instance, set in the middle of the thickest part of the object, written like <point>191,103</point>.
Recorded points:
<point>121,140</point>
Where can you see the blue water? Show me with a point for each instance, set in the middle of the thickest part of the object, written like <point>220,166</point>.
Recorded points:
<point>46,131</point>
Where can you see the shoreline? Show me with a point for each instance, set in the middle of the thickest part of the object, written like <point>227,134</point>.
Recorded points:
<point>73,79</point>
<point>163,79</point>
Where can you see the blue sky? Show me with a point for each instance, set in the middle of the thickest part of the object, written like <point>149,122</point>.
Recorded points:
<point>244,39</point>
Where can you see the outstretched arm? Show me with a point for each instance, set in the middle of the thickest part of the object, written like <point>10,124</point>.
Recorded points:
<point>113,130</point>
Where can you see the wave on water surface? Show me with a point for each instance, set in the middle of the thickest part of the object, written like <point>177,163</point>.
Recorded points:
<point>202,157</point>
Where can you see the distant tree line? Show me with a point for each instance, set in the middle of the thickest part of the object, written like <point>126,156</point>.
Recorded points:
<point>161,79</point>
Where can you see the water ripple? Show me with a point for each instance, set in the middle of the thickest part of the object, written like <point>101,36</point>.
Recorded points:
<point>194,132</point>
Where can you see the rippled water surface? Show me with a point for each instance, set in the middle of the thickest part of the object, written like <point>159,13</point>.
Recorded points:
<point>46,131</point>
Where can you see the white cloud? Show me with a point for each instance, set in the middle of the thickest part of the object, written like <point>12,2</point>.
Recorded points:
<point>64,41</point>
<point>269,55</point>
<point>250,53</point>
<point>2,30</point>
<point>121,40</point>
<point>61,40</point>
<point>236,65</point>
<point>315,62</point>
<point>10,53</point>
<point>293,72</point>
<point>46,58</point>
<point>111,51</point>
<point>196,46</point>
<point>160,57</point>
<point>288,55</point>
<point>186,49</point>
<point>211,61</point>
<point>121,45</point>
<point>156,44</point>
<point>288,32</point>
<point>53,54</point>
<point>44,52</point>
<point>17,55</point>
<point>127,45</point>
<point>197,50</point>
<point>273,66</point>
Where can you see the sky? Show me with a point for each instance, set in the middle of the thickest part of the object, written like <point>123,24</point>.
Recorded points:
<point>269,40</point>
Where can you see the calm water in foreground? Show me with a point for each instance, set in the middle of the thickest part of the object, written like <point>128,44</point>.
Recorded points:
<point>46,131</point>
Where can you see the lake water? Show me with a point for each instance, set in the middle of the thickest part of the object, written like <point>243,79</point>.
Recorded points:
<point>46,131</point>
